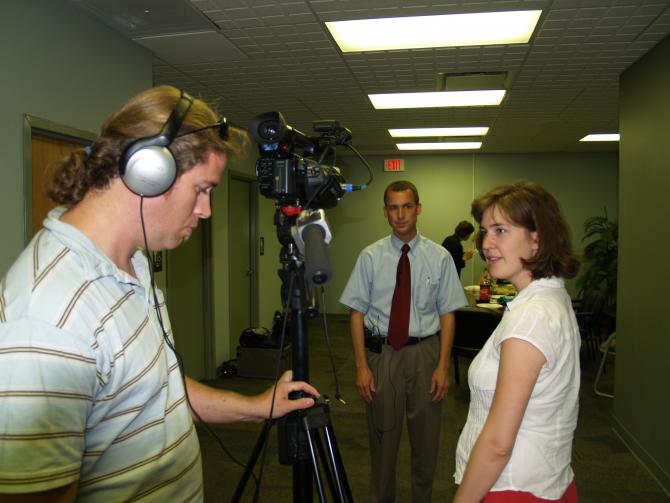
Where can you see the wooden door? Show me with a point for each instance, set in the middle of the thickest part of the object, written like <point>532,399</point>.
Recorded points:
<point>243,261</point>
<point>46,151</point>
<point>240,262</point>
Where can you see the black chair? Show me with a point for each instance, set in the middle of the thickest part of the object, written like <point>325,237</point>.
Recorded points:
<point>474,325</point>
<point>587,331</point>
<point>594,329</point>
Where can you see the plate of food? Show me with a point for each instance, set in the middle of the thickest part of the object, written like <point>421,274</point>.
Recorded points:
<point>488,305</point>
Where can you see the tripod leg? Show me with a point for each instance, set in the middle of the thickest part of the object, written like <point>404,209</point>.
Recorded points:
<point>248,470</point>
<point>337,464</point>
<point>302,482</point>
<point>315,464</point>
<point>314,420</point>
<point>327,465</point>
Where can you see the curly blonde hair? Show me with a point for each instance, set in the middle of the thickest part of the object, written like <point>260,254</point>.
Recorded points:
<point>143,115</point>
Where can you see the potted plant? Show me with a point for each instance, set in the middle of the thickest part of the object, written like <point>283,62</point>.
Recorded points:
<point>598,282</point>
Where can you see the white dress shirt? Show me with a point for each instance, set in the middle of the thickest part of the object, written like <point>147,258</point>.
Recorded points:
<point>540,463</point>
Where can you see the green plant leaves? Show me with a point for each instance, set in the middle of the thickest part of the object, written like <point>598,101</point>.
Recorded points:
<point>598,282</point>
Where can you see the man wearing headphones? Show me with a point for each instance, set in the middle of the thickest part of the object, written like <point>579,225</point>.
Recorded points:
<point>94,404</point>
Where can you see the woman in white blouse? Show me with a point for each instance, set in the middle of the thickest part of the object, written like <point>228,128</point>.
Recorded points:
<point>516,445</point>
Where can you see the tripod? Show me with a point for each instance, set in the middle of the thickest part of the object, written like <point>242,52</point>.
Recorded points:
<point>301,434</point>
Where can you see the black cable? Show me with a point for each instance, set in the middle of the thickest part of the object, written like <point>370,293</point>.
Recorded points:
<point>268,421</point>
<point>365,163</point>
<point>167,340</point>
<point>338,395</point>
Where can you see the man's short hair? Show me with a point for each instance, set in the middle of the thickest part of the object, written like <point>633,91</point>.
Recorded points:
<point>400,186</point>
<point>464,229</point>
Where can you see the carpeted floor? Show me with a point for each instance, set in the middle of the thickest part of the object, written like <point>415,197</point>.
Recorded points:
<point>605,470</point>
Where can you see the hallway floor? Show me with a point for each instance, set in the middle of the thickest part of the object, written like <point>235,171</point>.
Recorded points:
<point>605,470</point>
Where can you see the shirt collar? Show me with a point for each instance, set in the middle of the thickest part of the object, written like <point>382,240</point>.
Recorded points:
<point>95,260</point>
<point>535,286</point>
<point>397,242</point>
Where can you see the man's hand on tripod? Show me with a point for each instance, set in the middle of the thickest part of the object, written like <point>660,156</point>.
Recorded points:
<point>282,403</point>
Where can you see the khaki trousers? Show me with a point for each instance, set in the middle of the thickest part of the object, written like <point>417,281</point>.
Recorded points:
<point>403,380</point>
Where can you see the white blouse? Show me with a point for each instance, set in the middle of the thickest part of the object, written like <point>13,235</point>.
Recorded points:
<point>540,463</point>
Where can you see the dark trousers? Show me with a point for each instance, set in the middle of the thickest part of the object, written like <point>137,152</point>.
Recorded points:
<point>403,380</point>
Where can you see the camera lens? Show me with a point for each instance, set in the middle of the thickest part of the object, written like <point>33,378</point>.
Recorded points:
<point>268,130</point>
<point>269,127</point>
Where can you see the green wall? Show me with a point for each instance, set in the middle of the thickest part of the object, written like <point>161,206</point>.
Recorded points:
<point>641,405</point>
<point>58,65</point>
<point>583,183</point>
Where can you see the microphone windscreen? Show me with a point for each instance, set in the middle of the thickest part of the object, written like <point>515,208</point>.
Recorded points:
<point>317,264</point>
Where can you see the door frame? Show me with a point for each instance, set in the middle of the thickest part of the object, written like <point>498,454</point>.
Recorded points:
<point>32,124</point>
<point>253,239</point>
<point>209,355</point>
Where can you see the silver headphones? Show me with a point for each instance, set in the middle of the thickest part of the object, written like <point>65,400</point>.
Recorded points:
<point>147,165</point>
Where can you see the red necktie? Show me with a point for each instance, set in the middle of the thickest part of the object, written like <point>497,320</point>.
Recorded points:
<point>398,334</point>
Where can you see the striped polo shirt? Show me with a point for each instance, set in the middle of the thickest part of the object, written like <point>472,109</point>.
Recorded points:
<point>89,390</point>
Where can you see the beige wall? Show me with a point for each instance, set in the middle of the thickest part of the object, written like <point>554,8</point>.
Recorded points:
<point>58,65</point>
<point>642,404</point>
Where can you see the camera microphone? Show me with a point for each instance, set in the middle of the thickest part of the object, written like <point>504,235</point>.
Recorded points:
<point>311,235</point>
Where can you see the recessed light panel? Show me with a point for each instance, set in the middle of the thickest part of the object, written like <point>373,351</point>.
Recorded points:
<point>437,99</point>
<point>601,137</point>
<point>454,145</point>
<point>451,30</point>
<point>438,131</point>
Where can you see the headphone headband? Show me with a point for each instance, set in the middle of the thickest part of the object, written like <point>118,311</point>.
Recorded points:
<point>176,119</point>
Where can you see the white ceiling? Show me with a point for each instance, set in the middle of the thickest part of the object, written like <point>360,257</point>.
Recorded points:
<point>254,56</point>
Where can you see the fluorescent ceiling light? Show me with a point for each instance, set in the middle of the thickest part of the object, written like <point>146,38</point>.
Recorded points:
<point>438,131</point>
<point>451,30</point>
<point>601,137</point>
<point>437,99</point>
<point>453,145</point>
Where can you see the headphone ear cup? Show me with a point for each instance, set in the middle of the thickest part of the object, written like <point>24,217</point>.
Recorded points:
<point>147,166</point>
<point>148,170</point>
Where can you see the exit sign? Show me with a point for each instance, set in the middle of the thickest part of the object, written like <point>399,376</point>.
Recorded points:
<point>394,165</point>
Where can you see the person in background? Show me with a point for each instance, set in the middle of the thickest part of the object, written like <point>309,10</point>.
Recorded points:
<point>452,243</point>
<point>402,294</point>
<point>94,403</point>
<point>524,384</point>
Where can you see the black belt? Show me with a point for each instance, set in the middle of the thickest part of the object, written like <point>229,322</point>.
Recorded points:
<point>411,341</point>
<point>374,342</point>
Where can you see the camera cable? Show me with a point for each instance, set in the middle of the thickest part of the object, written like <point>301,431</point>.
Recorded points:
<point>269,421</point>
<point>338,394</point>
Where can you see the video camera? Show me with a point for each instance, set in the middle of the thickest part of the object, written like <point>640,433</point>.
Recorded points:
<point>291,166</point>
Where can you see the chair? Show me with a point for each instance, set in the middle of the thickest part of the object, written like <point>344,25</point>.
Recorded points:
<point>594,329</point>
<point>606,348</point>
<point>588,333</point>
<point>474,325</point>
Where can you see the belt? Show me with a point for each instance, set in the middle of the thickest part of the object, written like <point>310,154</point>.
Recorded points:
<point>374,342</point>
<point>411,341</point>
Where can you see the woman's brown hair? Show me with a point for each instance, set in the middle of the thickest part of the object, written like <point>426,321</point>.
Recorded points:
<point>143,115</point>
<point>529,205</point>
